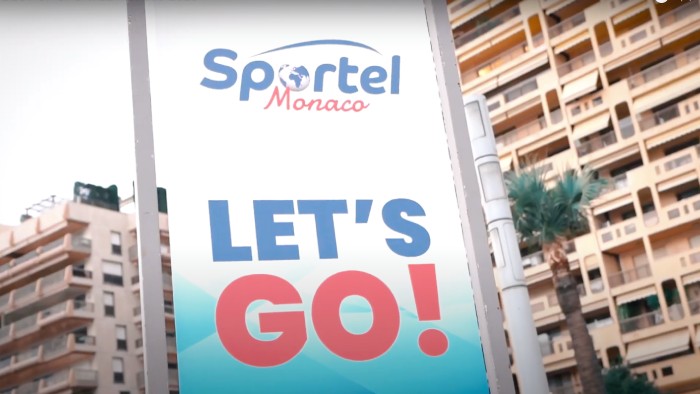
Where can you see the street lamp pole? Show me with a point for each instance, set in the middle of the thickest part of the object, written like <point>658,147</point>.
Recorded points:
<point>504,242</point>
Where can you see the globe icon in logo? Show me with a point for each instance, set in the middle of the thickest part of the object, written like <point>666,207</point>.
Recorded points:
<point>294,77</point>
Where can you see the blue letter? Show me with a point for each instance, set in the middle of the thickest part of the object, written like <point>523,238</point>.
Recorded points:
<point>343,70</point>
<point>420,239</point>
<point>220,226</point>
<point>318,76</point>
<point>323,210</point>
<point>247,82</point>
<point>267,230</point>
<point>211,64</point>
<point>366,79</point>
<point>395,74</point>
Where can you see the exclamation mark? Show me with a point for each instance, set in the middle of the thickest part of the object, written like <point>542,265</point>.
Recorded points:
<point>431,341</point>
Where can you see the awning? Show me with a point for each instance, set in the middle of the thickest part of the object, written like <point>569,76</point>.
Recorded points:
<point>559,6</point>
<point>659,346</point>
<point>669,92</point>
<point>620,202</point>
<point>580,86</point>
<point>669,136</point>
<point>506,163</point>
<point>670,184</point>
<point>636,295</point>
<point>692,278</point>
<point>592,125</point>
<point>630,12</point>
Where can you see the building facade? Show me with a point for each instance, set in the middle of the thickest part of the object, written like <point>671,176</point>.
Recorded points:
<point>614,85</point>
<point>70,319</point>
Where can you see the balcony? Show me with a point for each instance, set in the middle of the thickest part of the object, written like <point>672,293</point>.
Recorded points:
<point>60,252</point>
<point>679,14</point>
<point>595,144</point>
<point>585,104</point>
<point>520,133</point>
<point>567,25</point>
<point>488,67</point>
<point>619,233</point>
<point>500,102</point>
<point>169,311</point>
<point>628,276</point>
<point>42,359</point>
<point>576,63</point>
<point>641,322</point>
<point>68,379</point>
<point>664,68</point>
<point>487,26</point>
<point>61,285</point>
<point>65,316</point>
<point>680,212</point>
<point>674,165</point>
<point>636,35</point>
<point>619,182</point>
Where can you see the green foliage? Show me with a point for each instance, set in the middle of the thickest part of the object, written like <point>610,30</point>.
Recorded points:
<point>542,215</point>
<point>620,380</point>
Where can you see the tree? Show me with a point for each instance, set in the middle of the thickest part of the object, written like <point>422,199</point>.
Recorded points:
<point>620,380</point>
<point>547,218</point>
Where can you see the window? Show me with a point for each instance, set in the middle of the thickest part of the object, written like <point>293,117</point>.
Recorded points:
<point>112,273</point>
<point>688,193</point>
<point>116,238</point>
<point>108,300</point>
<point>118,369</point>
<point>121,337</point>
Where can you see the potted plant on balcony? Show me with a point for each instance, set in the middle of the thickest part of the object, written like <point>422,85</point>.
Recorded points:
<point>549,217</point>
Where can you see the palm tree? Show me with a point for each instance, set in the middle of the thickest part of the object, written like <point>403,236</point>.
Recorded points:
<point>547,218</point>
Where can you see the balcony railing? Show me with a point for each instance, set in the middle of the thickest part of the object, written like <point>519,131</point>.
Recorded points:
<point>458,5</point>
<point>567,24</point>
<point>678,160</point>
<point>487,67</point>
<point>77,243</point>
<point>487,26</point>
<point>576,63</point>
<point>521,132</point>
<point>688,9</point>
<point>682,208</point>
<point>515,92</point>
<point>597,285</point>
<point>664,68</point>
<point>596,143</point>
<point>605,49</point>
<point>640,322</point>
<point>628,276</point>
<point>618,182</point>
<point>33,291</point>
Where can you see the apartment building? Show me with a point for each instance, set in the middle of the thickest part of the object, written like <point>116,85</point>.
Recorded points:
<point>615,85</point>
<point>70,319</point>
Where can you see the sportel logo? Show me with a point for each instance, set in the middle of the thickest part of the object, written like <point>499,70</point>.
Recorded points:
<point>292,79</point>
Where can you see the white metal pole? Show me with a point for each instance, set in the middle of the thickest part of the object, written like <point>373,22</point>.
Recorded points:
<point>148,233</point>
<point>499,220</point>
<point>473,227</point>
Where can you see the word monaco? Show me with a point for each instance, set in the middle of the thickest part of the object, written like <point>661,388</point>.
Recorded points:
<point>259,75</point>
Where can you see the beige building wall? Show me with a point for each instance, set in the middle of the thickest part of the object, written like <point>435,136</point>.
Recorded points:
<point>615,85</point>
<point>54,273</point>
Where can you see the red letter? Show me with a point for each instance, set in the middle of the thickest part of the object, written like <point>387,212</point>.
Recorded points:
<point>330,330</point>
<point>280,99</point>
<point>361,106</point>
<point>234,334</point>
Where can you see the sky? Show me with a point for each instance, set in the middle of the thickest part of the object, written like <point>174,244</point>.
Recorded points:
<point>65,100</point>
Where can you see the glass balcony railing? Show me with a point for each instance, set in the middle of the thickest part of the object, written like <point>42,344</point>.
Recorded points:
<point>487,26</point>
<point>576,63</point>
<point>596,143</point>
<point>619,182</point>
<point>680,13</point>
<point>642,321</point>
<point>567,24</point>
<point>521,132</point>
<point>659,117</point>
<point>458,5</point>
<point>628,276</point>
<point>664,68</point>
<point>521,89</point>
